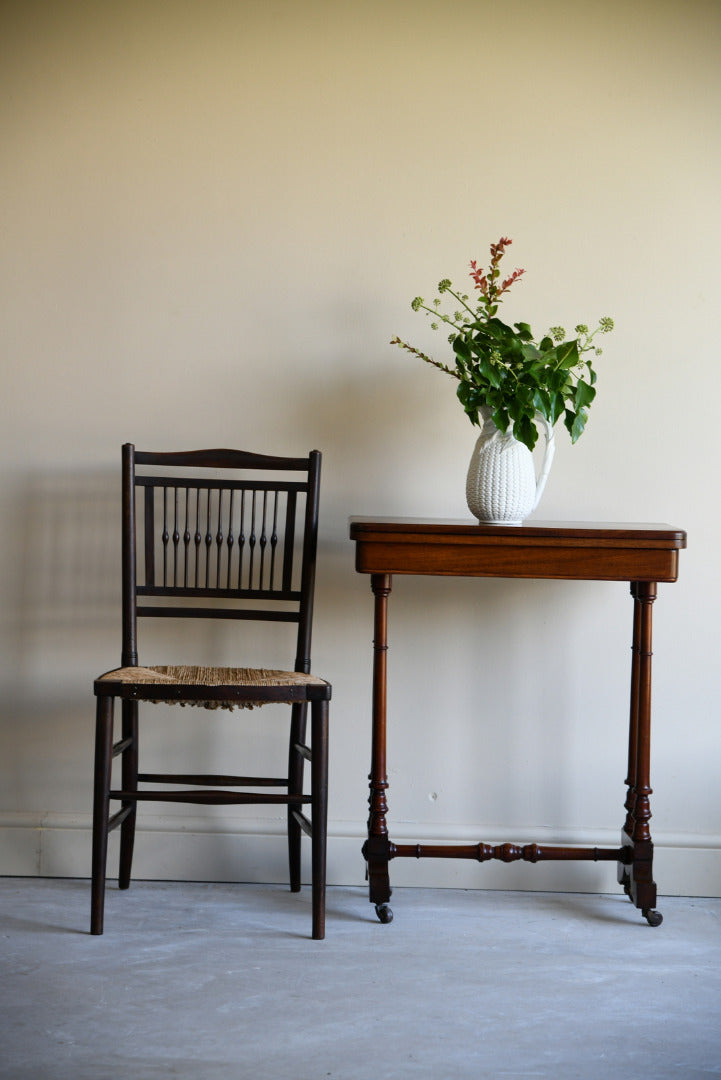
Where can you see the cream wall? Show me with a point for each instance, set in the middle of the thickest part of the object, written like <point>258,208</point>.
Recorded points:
<point>214,216</point>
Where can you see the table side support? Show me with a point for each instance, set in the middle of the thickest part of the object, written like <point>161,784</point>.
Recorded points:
<point>630,781</point>
<point>635,870</point>
<point>377,849</point>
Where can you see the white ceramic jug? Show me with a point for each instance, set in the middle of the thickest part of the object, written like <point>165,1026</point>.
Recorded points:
<point>501,485</point>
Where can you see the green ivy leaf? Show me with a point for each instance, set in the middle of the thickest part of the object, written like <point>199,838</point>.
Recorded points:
<point>557,380</point>
<point>461,349</point>
<point>557,407</point>
<point>567,354</point>
<point>583,395</point>
<point>525,431</point>
<point>568,418</point>
<point>542,403</point>
<point>501,419</point>
<point>575,422</point>
<point>490,372</point>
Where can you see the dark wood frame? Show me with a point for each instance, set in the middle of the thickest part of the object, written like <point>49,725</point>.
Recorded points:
<point>642,555</point>
<point>259,599</point>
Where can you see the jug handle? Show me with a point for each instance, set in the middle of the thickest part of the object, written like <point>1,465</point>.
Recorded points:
<point>547,458</point>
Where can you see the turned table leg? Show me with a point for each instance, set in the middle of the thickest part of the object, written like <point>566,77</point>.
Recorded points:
<point>636,870</point>
<point>377,847</point>
<point>624,876</point>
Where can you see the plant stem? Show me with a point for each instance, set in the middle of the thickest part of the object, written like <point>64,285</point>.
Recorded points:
<point>443,318</point>
<point>422,356</point>
<point>465,305</point>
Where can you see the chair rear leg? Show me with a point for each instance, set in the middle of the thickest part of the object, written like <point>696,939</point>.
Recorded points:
<point>101,808</point>
<point>130,783</point>
<point>296,762</point>
<point>319,808</point>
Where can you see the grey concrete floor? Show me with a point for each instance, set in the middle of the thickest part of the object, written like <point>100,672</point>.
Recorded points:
<point>212,981</point>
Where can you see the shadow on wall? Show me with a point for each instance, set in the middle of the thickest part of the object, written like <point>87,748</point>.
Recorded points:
<point>65,596</point>
<point>60,624</point>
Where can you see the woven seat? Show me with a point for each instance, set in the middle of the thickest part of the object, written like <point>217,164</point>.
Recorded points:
<point>231,688</point>
<point>234,537</point>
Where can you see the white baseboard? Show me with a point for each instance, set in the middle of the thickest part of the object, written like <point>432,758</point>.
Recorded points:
<point>197,849</point>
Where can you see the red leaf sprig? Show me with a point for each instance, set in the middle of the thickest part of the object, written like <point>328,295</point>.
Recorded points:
<point>485,280</point>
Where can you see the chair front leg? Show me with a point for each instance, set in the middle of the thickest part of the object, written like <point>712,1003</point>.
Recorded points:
<point>101,808</point>
<point>319,809</point>
<point>130,783</point>
<point>296,761</point>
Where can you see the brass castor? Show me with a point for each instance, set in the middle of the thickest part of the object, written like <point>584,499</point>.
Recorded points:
<point>384,913</point>
<point>653,918</point>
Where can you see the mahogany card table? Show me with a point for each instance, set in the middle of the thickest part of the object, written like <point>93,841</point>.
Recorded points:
<point>641,555</point>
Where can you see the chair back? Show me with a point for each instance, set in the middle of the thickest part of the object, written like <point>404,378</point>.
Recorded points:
<point>219,534</point>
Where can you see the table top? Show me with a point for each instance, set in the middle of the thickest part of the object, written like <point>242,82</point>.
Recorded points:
<point>616,551</point>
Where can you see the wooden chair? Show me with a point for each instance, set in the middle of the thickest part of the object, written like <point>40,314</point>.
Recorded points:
<point>226,535</point>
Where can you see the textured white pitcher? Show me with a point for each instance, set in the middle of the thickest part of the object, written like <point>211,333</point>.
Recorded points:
<point>501,485</point>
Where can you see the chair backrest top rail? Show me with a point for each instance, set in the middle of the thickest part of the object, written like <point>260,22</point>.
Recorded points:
<point>222,459</point>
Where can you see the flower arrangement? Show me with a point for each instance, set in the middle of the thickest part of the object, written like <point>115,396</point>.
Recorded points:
<point>503,367</point>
